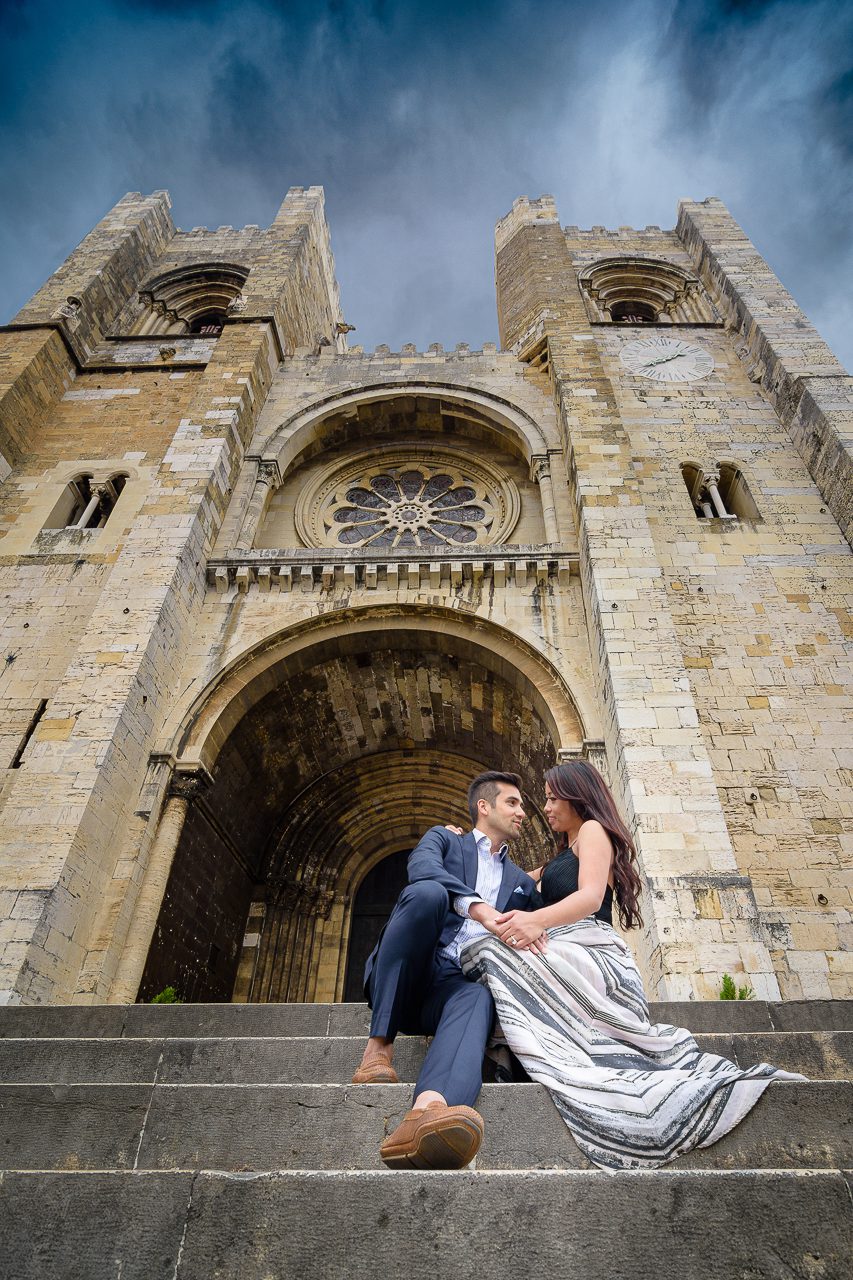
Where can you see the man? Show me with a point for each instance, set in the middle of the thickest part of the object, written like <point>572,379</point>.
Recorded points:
<point>457,889</point>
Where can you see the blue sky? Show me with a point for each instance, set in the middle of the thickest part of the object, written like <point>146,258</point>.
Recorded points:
<point>423,123</point>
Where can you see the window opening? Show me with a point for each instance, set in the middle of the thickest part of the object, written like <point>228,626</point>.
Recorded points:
<point>208,325</point>
<point>633,313</point>
<point>712,495</point>
<point>28,733</point>
<point>735,494</point>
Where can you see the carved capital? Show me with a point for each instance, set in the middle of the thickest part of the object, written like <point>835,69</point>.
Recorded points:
<point>189,784</point>
<point>237,305</point>
<point>540,467</point>
<point>268,473</point>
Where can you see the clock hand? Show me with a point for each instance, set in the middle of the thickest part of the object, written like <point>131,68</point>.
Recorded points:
<point>665,359</point>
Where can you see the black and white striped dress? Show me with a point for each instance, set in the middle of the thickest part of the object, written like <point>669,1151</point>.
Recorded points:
<point>633,1094</point>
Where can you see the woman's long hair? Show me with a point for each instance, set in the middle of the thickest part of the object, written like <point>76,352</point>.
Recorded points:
<point>585,789</point>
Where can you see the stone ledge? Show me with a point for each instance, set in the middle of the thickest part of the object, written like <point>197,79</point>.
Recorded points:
<point>308,570</point>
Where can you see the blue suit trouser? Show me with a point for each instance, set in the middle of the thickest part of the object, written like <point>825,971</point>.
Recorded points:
<point>415,991</point>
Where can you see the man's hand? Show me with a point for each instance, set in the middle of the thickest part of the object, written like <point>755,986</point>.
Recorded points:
<point>457,831</point>
<point>521,931</point>
<point>484,915</point>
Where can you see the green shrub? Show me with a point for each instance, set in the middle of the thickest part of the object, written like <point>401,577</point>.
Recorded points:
<point>167,996</point>
<point>728,990</point>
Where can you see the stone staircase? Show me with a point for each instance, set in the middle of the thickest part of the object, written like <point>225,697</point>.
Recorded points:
<point>199,1142</point>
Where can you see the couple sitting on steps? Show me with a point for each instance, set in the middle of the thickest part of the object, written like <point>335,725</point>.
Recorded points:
<point>472,936</point>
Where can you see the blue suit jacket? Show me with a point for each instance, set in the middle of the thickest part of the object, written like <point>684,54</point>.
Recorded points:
<point>451,861</point>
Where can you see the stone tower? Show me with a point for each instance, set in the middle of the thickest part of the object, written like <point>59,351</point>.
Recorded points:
<point>271,602</point>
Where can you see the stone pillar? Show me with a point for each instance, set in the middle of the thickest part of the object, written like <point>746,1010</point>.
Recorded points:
<point>540,471</point>
<point>711,483</point>
<point>184,788</point>
<point>266,480</point>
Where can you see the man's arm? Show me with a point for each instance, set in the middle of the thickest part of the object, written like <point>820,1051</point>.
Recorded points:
<point>427,862</point>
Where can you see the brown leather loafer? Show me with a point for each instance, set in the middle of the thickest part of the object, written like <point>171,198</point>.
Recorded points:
<point>376,1070</point>
<point>436,1137</point>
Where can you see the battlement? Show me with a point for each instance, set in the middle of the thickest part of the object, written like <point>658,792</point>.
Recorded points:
<point>525,213</point>
<point>609,233</point>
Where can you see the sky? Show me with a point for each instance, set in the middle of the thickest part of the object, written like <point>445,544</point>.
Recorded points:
<point>424,122</point>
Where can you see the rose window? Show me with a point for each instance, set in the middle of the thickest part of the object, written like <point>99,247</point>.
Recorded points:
<point>419,507</point>
<point>407,498</point>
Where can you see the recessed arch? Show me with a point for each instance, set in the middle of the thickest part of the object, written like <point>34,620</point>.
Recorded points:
<point>330,747</point>
<point>199,727</point>
<point>516,429</point>
<point>190,299</point>
<point>643,290</point>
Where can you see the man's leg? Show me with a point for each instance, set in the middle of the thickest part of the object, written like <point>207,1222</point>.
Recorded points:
<point>400,975</point>
<point>442,1130</point>
<point>459,1015</point>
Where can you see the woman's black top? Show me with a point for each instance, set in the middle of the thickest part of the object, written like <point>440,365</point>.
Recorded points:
<point>560,878</point>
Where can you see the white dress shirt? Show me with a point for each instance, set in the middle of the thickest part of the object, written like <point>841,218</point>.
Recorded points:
<point>490,869</point>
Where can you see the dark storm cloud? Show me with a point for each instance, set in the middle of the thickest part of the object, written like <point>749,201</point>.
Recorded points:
<point>424,124</point>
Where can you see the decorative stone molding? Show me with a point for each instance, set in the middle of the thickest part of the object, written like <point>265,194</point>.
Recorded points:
<point>593,751</point>
<point>408,497</point>
<point>644,290</point>
<point>272,570</point>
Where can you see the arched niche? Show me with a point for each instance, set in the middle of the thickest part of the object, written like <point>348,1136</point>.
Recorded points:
<point>642,290</point>
<point>194,299</point>
<point>489,448</point>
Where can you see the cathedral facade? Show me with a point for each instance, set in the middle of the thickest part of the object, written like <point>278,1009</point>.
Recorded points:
<point>270,601</point>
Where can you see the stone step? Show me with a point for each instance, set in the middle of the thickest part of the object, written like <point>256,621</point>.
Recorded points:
<point>820,1055</point>
<point>719,1017</point>
<point>266,1127</point>
<point>681,1225</point>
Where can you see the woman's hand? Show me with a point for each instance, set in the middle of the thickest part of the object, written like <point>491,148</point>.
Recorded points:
<point>521,931</point>
<point>457,831</point>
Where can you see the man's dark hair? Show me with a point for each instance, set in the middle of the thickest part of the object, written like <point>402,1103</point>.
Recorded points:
<point>485,787</point>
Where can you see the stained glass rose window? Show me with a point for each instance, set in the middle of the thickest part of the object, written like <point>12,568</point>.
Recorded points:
<point>407,498</point>
<point>419,507</point>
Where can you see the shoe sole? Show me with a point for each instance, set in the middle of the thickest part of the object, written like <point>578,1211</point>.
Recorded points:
<point>382,1075</point>
<point>451,1146</point>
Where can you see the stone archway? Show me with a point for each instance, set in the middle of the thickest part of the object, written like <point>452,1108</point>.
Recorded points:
<point>339,755</point>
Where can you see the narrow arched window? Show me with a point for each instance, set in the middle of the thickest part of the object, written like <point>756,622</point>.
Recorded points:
<point>695,481</point>
<point>735,493</point>
<point>192,301</point>
<point>642,290</point>
<point>85,504</point>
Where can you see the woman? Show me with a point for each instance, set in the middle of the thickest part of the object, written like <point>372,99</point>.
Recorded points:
<point>634,1095</point>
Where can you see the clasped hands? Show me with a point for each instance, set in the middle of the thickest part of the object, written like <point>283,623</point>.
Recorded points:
<point>521,931</point>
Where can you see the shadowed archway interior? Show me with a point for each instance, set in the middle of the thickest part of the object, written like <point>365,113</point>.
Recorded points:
<point>362,744</point>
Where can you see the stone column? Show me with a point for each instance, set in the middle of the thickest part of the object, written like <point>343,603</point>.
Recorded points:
<point>540,471</point>
<point>711,483</point>
<point>266,480</point>
<point>183,789</point>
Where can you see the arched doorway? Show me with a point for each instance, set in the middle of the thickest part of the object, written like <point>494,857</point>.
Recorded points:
<point>346,751</point>
<point>372,905</point>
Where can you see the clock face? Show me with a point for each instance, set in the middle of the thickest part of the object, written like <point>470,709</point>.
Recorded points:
<point>666,359</point>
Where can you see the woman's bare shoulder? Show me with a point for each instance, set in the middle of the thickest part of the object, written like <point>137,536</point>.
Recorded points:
<point>592,834</point>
